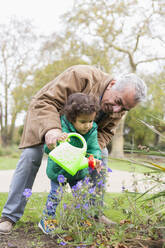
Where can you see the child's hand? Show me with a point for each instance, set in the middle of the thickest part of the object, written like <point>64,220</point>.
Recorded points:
<point>62,137</point>
<point>98,166</point>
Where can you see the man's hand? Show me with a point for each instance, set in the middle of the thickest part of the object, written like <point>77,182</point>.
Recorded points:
<point>51,137</point>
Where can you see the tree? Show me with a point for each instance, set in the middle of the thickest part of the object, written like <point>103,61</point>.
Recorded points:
<point>16,49</point>
<point>44,75</point>
<point>152,113</point>
<point>125,31</point>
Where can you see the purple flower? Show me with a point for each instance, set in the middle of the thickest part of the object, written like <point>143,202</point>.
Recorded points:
<point>85,206</point>
<point>78,205</point>
<point>92,190</point>
<point>87,180</point>
<point>101,183</point>
<point>75,187</point>
<point>27,193</point>
<point>109,170</point>
<point>62,243</point>
<point>61,179</point>
<point>64,206</point>
<point>49,204</point>
<point>79,184</point>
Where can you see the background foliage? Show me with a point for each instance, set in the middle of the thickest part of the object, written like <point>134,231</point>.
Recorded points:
<point>116,36</point>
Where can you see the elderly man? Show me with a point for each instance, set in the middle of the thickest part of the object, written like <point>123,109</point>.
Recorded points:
<point>42,124</point>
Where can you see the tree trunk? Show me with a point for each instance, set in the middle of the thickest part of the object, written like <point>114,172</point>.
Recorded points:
<point>157,138</point>
<point>118,141</point>
<point>12,128</point>
<point>4,138</point>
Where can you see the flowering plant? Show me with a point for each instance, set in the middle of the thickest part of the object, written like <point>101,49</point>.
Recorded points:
<point>27,193</point>
<point>77,213</point>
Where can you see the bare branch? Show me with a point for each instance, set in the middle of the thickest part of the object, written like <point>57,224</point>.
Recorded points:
<point>137,42</point>
<point>133,65</point>
<point>150,60</point>
<point>152,128</point>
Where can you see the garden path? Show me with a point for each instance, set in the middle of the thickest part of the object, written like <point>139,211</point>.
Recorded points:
<point>115,181</point>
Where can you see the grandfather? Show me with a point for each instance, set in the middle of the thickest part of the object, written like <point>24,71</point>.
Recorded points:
<point>42,124</point>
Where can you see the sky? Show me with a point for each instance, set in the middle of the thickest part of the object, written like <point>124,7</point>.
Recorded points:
<point>43,13</point>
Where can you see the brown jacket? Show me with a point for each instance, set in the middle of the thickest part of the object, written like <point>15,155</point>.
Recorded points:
<point>43,113</point>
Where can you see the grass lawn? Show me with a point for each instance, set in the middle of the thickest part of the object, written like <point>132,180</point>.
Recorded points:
<point>37,202</point>
<point>8,163</point>
<point>33,209</point>
<point>115,203</point>
<point>127,165</point>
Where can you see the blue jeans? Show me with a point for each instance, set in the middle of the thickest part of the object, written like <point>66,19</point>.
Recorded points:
<point>52,201</point>
<point>24,177</point>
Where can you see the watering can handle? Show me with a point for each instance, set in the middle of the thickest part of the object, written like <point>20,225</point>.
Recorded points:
<point>91,160</point>
<point>79,136</point>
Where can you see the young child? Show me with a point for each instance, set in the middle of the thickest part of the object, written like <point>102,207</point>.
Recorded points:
<point>79,114</point>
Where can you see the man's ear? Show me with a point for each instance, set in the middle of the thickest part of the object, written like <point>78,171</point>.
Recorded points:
<point>111,83</point>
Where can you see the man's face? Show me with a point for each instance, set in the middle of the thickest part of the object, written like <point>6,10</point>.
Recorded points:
<point>114,101</point>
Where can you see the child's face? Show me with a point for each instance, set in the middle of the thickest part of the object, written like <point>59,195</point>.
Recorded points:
<point>84,123</point>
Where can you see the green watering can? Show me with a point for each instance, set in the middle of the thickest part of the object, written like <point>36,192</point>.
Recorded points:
<point>71,158</point>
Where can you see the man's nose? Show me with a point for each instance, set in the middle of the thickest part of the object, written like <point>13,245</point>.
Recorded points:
<point>116,108</point>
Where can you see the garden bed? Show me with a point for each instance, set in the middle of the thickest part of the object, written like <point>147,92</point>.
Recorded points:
<point>29,236</point>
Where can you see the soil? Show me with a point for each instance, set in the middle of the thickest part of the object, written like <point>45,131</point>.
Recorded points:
<point>29,236</point>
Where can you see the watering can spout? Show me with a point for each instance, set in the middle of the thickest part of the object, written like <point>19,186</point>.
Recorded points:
<point>70,158</point>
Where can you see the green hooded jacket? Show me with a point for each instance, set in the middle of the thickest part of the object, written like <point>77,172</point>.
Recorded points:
<point>53,170</point>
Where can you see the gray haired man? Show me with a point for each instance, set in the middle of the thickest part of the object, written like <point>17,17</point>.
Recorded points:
<point>42,125</point>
